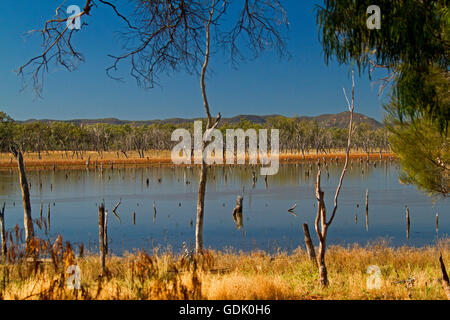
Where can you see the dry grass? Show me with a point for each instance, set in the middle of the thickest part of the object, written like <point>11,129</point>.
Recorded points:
<point>61,159</point>
<point>407,273</point>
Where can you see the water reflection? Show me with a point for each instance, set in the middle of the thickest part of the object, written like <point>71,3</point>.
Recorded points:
<point>158,205</point>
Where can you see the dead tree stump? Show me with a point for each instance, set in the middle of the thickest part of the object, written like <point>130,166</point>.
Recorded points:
<point>309,245</point>
<point>28,221</point>
<point>367,210</point>
<point>101,235</point>
<point>445,280</point>
<point>408,223</point>
<point>237,213</point>
<point>3,233</point>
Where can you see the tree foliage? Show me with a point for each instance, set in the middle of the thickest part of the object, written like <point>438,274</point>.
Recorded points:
<point>424,153</point>
<point>412,45</point>
<point>296,135</point>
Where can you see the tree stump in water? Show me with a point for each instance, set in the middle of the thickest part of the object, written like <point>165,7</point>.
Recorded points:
<point>28,221</point>
<point>237,213</point>
<point>367,210</point>
<point>3,233</point>
<point>101,236</point>
<point>408,223</point>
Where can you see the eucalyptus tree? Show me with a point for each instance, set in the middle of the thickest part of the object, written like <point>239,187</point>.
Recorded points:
<point>381,136</point>
<point>317,137</point>
<point>365,138</point>
<point>411,46</point>
<point>140,140</point>
<point>38,134</point>
<point>121,140</point>
<point>6,131</point>
<point>302,132</point>
<point>424,153</point>
<point>166,36</point>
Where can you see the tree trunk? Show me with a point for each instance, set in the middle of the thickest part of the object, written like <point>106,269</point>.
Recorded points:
<point>323,273</point>
<point>204,168</point>
<point>105,233</point>
<point>445,280</point>
<point>200,208</point>
<point>3,233</point>
<point>27,220</point>
<point>101,236</point>
<point>367,210</point>
<point>408,223</point>
<point>321,224</point>
<point>309,245</point>
<point>237,213</point>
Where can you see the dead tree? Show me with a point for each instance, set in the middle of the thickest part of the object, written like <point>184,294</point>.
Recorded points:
<point>237,213</point>
<point>105,233</point>
<point>48,217</point>
<point>445,280</point>
<point>309,245</point>
<point>321,224</point>
<point>3,233</point>
<point>169,36</point>
<point>27,220</point>
<point>408,223</point>
<point>101,236</point>
<point>210,125</point>
<point>437,222</point>
<point>367,210</point>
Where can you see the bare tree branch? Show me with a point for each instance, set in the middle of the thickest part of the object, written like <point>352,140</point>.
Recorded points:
<point>165,36</point>
<point>351,107</point>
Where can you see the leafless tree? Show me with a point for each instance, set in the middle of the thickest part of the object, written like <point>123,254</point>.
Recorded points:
<point>166,36</point>
<point>321,223</point>
<point>28,221</point>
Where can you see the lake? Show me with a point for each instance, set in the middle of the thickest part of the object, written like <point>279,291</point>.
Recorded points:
<point>74,196</point>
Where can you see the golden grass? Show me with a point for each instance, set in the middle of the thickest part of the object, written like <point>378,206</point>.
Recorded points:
<point>61,159</point>
<point>407,273</point>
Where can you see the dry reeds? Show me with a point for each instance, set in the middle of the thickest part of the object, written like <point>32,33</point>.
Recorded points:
<point>40,273</point>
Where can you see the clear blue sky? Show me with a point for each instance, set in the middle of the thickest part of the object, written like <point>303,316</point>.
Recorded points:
<point>303,85</point>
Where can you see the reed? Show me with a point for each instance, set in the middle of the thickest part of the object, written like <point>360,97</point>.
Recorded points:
<point>406,273</point>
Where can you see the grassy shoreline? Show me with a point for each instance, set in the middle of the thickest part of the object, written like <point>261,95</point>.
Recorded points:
<point>406,273</point>
<point>59,159</point>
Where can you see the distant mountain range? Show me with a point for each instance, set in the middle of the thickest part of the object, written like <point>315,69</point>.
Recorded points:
<point>339,120</point>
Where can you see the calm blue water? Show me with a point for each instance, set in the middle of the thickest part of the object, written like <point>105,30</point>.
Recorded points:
<point>75,195</point>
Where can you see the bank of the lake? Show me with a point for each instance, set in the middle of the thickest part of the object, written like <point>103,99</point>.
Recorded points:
<point>91,159</point>
<point>404,273</point>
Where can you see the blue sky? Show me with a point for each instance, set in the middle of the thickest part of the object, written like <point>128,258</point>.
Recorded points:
<point>302,85</point>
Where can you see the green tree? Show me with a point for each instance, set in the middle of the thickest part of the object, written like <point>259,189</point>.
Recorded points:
<point>302,130</point>
<point>424,154</point>
<point>365,138</point>
<point>412,45</point>
<point>6,131</point>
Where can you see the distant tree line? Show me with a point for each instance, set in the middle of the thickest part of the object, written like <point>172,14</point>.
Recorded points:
<point>296,136</point>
